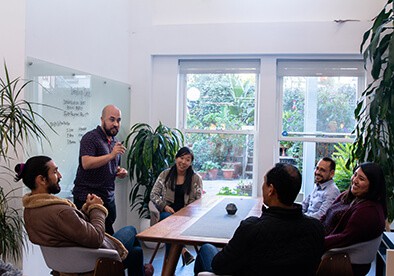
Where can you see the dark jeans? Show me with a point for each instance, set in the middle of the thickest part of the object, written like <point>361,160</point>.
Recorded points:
<point>204,258</point>
<point>111,207</point>
<point>135,259</point>
<point>164,215</point>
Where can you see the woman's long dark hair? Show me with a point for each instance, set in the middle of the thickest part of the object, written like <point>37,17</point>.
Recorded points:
<point>377,185</point>
<point>172,175</point>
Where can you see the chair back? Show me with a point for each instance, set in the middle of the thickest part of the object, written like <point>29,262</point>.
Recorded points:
<point>108,267</point>
<point>337,264</point>
<point>154,213</point>
<point>360,253</point>
<point>75,259</point>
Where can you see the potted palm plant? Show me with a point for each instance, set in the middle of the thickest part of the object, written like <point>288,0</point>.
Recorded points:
<point>18,125</point>
<point>150,151</point>
<point>374,112</point>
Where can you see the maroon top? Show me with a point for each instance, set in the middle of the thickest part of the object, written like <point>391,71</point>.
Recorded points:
<point>347,224</point>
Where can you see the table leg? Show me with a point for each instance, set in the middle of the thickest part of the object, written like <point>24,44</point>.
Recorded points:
<point>170,263</point>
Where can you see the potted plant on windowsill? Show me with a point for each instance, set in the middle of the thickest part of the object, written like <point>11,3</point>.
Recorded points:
<point>150,151</point>
<point>18,126</point>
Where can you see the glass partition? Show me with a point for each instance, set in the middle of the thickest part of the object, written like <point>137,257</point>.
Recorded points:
<point>71,102</point>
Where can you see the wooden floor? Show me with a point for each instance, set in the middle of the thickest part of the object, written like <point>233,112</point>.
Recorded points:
<point>158,262</point>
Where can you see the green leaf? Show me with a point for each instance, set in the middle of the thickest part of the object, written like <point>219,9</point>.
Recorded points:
<point>149,153</point>
<point>377,65</point>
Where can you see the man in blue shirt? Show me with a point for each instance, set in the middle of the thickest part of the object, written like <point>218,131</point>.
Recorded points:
<point>99,164</point>
<point>324,192</point>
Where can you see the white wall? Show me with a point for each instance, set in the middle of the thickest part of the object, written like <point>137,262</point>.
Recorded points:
<point>12,46</point>
<point>12,51</point>
<point>163,31</point>
<point>235,11</point>
<point>90,35</point>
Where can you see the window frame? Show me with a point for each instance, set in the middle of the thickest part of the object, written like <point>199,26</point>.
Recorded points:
<point>309,72</point>
<point>359,72</point>
<point>218,67</point>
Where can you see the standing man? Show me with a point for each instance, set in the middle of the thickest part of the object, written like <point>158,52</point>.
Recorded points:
<point>325,191</point>
<point>99,164</point>
<point>282,241</point>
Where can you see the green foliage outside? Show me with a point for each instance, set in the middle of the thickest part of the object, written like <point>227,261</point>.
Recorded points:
<point>335,102</point>
<point>226,102</point>
<point>335,105</point>
<point>242,189</point>
<point>343,174</point>
<point>209,165</point>
<point>227,191</point>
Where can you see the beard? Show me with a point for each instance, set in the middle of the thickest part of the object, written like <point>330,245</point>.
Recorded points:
<point>110,131</point>
<point>322,179</point>
<point>54,188</point>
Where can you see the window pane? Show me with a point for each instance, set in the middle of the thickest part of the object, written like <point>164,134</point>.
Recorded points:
<point>319,106</point>
<point>222,160</point>
<point>220,101</point>
<point>219,121</point>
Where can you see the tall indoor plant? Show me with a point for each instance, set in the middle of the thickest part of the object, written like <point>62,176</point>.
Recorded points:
<point>150,152</point>
<point>374,112</point>
<point>18,125</point>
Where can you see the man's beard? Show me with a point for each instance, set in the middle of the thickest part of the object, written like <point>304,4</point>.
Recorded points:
<point>108,131</point>
<point>54,188</point>
<point>322,180</point>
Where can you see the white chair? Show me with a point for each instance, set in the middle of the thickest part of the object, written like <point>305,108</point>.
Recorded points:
<point>339,261</point>
<point>82,260</point>
<point>360,253</point>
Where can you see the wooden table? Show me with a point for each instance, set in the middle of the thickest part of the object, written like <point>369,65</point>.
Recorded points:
<point>171,229</point>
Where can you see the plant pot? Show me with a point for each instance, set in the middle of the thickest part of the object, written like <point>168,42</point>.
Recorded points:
<point>204,175</point>
<point>213,173</point>
<point>228,173</point>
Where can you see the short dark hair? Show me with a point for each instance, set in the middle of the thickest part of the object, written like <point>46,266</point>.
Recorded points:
<point>286,180</point>
<point>331,161</point>
<point>34,166</point>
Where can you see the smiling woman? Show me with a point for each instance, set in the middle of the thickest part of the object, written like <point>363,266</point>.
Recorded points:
<point>358,214</point>
<point>176,188</point>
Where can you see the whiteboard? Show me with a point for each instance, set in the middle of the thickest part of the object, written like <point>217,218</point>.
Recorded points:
<point>76,100</point>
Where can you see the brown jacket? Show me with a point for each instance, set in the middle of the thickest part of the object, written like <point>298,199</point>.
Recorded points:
<point>54,221</point>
